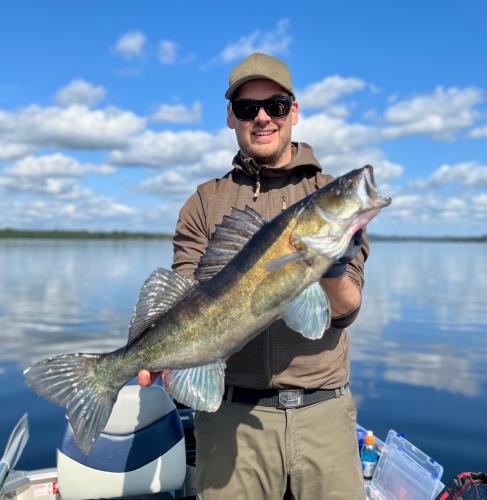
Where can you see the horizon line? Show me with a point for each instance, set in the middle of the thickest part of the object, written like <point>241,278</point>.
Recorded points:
<point>121,234</point>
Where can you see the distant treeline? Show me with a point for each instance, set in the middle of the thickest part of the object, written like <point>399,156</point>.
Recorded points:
<point>82,235</point>
<point>448,239</point>
<point>126,235</point>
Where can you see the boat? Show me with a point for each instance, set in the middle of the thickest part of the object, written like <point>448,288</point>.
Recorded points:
<point>147,452</point>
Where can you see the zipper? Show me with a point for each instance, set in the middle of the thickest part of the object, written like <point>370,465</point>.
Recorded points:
<point>267,332</point>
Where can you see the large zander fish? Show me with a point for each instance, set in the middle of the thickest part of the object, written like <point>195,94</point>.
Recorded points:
<point>252,274</point>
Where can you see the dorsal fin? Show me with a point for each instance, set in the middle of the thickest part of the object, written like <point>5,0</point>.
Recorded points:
<point>228,239</point>
<point>160,292</point>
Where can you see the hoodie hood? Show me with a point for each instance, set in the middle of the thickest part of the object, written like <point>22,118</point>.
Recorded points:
<point>302,156</point>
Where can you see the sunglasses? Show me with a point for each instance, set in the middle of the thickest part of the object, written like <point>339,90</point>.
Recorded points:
<point>276,107</point>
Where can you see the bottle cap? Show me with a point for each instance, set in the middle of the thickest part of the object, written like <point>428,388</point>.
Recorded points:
<point>369,438</point>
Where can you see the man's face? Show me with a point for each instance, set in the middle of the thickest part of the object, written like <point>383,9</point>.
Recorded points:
<point>265,139</point>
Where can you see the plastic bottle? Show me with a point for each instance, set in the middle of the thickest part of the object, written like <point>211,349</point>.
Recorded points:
<point>369,455</point>
<point>360,437</point>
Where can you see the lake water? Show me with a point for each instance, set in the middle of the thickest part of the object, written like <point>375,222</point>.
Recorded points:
<point>418,349</point>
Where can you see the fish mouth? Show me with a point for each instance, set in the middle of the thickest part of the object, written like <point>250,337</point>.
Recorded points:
<point>369,195</point>
<point>370,200</point>
<point>359,193</point>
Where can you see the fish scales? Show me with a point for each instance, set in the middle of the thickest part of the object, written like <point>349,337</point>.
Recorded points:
<point>200,328</point>
<point>188,331</point>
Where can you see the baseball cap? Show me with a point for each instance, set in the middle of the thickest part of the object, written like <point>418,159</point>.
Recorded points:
<point>257,66</point>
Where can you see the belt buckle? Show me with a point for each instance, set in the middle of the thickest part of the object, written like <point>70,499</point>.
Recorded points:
<point>290,398</point>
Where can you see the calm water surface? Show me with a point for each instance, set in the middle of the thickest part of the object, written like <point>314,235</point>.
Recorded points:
<point>418,349</point>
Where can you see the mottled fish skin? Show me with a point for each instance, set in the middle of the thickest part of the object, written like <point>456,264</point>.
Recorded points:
<point>214,319</point>
<point>218,317</point>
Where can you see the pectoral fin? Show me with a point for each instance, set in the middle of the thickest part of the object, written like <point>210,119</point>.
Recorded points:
<point>309,313</point>
<point>200,387</point>
<point>276,264</point>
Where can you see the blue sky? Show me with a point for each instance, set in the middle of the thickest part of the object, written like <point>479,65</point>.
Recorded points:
<point>112,112</point>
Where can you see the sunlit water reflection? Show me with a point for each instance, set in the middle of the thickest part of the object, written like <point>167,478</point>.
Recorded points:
<point>419,347</point>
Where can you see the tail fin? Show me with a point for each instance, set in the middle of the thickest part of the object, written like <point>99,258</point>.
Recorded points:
<point>75,382</point>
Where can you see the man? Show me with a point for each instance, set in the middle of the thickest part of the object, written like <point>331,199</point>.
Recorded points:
<point>263,438</point>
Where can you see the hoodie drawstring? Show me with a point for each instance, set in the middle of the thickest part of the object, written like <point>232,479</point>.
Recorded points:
<point>257,186</point>
<point>284,202</point>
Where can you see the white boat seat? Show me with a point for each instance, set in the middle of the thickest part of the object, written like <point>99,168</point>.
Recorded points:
<point>140,451</point>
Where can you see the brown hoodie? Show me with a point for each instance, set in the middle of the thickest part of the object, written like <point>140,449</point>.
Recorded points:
<point>278,357</point>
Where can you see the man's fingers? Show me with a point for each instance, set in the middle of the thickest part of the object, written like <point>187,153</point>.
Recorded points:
<point>145,378</point>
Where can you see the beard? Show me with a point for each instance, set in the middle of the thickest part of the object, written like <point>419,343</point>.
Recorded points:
<point>270,157</point>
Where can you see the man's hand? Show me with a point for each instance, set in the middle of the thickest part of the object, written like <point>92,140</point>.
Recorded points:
<point>145,378</point>
<point>343,293</point>
<point>340,266</point>
<point>345,296</point>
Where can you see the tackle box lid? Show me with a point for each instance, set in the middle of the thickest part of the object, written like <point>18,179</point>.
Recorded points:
<point>404,471</point>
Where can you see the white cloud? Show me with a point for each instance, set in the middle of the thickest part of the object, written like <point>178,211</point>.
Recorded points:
<point>214,163</point>
<point>47,192</point>
<point>329,134</point>
<point>80,92</point>
<point>168,51</point>
<point>406,200</point>
<point>480,200</point>
<point>163,148</point>
<point>54,174</point>
<point>385,171</point>
<point>74,127</point>
<point>178,113</point>
<point>469,174</point>
<point>131,44</point>
<point>175,184</point>
<point>479,209</point>
<point>478,132</point>
<point>449,201</point>
<point>323,93</point>
<point>47,186</point>
<point>454,204</point>
<point>414,212</point>
<point>225,139</point>
<point>11,151</point>
<point>55,165</point>
<point>86,210</point>
<point>271,42</point>
<point>440,114</point>
<point>180,182</point>
<point>341,146</point>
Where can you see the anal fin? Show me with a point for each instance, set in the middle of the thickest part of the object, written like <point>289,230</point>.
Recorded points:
<point>199,387</point>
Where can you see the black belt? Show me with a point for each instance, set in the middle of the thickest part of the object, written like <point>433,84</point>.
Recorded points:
<point>281,398</point>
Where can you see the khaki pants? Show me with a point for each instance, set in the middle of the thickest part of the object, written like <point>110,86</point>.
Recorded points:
<point>246,452</point>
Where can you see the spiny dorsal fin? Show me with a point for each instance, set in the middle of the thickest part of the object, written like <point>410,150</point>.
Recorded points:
<point>160,292</point>
<point>228,239</point>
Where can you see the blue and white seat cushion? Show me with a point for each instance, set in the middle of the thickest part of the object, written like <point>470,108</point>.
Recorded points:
<point>140,451</point>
